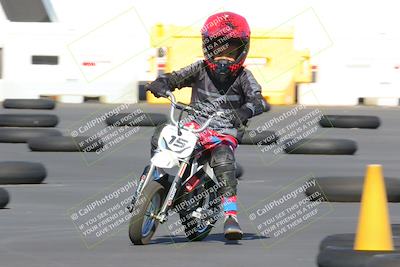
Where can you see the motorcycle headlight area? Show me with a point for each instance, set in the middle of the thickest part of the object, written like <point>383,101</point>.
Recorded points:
<point>165,159</point>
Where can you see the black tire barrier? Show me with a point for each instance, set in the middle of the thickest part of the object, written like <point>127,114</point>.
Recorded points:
<point>252,137</point>
<point>239,171</point>
<point>321,146</point>
<point>349,189</point>
<point>141,119</point>
<point>22,135</point>
<point>346,121</point>
<point>347,240</point>
<point>28,120</point>
<point>384,260</point>
<point>4,198</point>
<point>333,256</point>
<point>396,228</point>
<point>29,103</point>
<point>20,172</point>
<point>64,144</point>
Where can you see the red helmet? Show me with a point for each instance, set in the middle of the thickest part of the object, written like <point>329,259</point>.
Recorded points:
<point>226,42</point>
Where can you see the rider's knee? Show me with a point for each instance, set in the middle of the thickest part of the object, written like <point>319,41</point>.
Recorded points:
<point>222,159</point>
<point>223,163</point>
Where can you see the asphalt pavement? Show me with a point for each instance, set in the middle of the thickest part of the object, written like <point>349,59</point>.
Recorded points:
<point>36,228</point>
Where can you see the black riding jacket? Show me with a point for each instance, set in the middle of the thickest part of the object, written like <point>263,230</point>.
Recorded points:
<point>241,92</point>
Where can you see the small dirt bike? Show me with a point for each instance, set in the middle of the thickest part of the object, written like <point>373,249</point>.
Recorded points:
<point>192,193</point>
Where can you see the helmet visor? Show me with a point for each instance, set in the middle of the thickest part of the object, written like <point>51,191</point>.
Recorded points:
<point>230,49</point>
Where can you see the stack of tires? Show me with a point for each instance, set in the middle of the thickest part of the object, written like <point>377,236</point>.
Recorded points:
<point>64,144</point>
<point>337,251</point>
<point>129,119</point>
<point>349,188</point>
<point>259,138</point>
<point>4,198</point>
<point>345,188</point>
<point>19,128</point>
<point>333,146</point>
<point>35,129</point>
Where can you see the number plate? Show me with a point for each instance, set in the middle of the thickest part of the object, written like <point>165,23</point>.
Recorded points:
<point>182,145</point>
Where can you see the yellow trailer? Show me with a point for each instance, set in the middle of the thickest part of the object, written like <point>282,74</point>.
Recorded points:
<point>276,65</point>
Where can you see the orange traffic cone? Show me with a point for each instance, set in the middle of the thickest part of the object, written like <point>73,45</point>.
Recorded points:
<point>374,231</point>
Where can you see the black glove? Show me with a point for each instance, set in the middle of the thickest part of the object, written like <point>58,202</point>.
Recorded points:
<point>242,116</point>
<point>159,87</point>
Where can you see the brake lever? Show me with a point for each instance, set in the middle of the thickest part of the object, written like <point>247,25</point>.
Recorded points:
<point>178,106</point>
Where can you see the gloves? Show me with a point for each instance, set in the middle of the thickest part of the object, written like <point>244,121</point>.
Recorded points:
<point>159,87</point>
<point>242,116</point>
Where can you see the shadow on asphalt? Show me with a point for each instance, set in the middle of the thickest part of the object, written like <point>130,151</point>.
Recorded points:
<point>210,238</point>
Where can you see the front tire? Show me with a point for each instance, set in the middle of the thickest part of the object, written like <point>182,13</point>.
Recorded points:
<point>142,227</point>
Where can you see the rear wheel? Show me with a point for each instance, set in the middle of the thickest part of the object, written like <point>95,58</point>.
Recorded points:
<point>142,225</point>
<point>207,206</point>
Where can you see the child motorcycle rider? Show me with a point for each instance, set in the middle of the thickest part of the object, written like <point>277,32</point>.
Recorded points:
<point>220,83</point>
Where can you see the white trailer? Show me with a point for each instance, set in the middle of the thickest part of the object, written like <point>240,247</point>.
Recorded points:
<point>41,56</point>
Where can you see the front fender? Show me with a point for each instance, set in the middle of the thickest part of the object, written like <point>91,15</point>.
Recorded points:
<point>165,159</point>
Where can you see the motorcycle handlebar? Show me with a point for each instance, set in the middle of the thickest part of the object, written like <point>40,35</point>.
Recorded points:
<point>175,104</point>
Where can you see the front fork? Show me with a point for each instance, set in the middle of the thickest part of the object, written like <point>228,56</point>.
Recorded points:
<point>162,215</point>
<point>142,184</point>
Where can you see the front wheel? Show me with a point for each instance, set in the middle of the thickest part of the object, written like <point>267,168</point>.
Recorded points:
<point>142,225</point>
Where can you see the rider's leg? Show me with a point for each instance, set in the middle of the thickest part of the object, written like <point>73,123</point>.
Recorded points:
<point>222,161</point>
